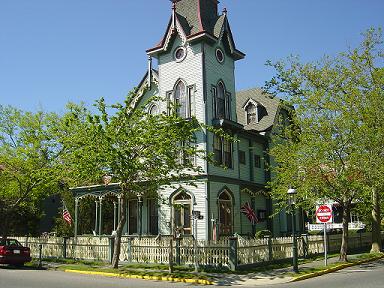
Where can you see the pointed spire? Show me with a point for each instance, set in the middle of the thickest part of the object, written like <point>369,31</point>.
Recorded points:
<point>225,11</point>
<point>173,16</point>
<point>149,71</point>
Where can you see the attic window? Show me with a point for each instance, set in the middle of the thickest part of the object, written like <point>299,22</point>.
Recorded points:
<point>180,53</point>
<point>219,55</point>
<point>251,113</point>
<point>254,112</point>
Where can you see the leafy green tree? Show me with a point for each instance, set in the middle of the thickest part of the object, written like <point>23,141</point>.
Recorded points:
<point>142,152</point>
<point>331,148</point>
<point>27,167</point>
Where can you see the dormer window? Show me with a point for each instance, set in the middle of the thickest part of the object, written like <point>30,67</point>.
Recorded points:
<point>222,101</point>
<point>251,113</point>
<point>254,112</point>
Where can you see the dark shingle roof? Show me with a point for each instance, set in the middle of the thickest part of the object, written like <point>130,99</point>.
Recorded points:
<point>199,18</point>
<point>270,103</point>
<point>201,15</point>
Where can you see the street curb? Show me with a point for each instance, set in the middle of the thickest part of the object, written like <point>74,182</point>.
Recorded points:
<point>334,269</point>
<point>146,277</point>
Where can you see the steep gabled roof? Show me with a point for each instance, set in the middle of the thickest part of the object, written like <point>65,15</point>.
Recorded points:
<point>197,19</point>
<point>143,85</point>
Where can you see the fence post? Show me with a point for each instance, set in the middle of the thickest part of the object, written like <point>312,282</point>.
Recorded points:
<point>233,253</point>
<point>111,242</point>
<point>270,250</point>
<point>178,251</point>
<point>65,247</point>
<point>129,250</point>
<point>40,255</point>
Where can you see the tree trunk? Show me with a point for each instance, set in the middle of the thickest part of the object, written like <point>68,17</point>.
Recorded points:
<point>376,222</point>
<point>119,232</point>
<point>344,239</point>
<point>4,224</point>
<point>170,255</point>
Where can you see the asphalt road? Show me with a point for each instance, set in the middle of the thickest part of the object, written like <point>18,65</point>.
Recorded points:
<point>369,275</point>
<point>25,278</point>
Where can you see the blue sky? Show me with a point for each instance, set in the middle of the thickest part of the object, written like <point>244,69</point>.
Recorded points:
<point>55,51</point>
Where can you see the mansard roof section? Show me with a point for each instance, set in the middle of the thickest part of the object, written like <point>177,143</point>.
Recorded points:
<point>195,20</point>
<point>258,96</point>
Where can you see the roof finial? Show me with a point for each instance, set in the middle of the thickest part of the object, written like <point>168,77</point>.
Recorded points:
<point>174,5</point>
<point>225,11</point>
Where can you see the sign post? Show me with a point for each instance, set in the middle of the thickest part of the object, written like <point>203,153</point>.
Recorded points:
<point>324,215</point>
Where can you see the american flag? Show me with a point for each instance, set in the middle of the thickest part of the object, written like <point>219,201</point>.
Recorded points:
<point>247,210</point>
<point>66,215</point>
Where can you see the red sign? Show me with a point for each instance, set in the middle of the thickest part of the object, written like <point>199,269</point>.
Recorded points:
<point>324,214</point>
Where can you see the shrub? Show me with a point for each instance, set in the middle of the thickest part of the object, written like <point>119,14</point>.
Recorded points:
<point>262,233</point>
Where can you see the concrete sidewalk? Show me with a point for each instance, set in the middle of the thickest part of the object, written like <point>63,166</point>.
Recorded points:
<point>276,276</point>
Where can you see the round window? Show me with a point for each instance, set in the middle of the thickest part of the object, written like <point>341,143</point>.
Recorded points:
<point>180,53</point>
<point>219,55</point>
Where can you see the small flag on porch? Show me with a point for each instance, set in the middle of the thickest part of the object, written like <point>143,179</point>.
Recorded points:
<point>247,210</point>
<point>66,215</point>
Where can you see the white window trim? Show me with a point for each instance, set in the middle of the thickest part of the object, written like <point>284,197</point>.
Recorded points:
<point>190,108</point>
<point>182,202</point>
<point>251,101</point>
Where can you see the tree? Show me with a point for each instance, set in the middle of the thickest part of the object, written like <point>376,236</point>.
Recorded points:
<point>27,166</point>
<point>142,152</point>
<point>331,147</point>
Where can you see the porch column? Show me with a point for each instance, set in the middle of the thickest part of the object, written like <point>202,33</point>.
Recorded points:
<point>100,216</point>
<point>96,217</point>
<point>140,212</point>
<point>76,216</point>
<point>118,208</point>
<point>114,215</point>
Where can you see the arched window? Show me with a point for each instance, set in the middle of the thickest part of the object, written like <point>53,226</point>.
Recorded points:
<point>222,102</point>
<point>182,211</point>
<point>225,213</point>
<point>180,99</point>
<point>251,111</point>
<point>154,110</point>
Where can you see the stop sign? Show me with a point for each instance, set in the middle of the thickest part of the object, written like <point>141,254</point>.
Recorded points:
<point>324,214</point>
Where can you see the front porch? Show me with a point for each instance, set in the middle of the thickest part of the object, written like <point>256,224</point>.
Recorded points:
<point>142,211</point>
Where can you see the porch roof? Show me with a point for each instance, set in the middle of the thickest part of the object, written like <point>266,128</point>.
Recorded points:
<point>99,191</point>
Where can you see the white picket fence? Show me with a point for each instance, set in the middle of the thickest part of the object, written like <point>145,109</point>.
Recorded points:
<point>207,253</point>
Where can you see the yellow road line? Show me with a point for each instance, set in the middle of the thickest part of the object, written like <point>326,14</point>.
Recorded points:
<point>147,277</point>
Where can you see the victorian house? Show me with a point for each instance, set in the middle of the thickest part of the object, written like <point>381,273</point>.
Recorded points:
<point>195,69</point>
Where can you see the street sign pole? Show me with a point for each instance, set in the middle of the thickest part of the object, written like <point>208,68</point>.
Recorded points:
<point>325,244</point>
<point>324,215</point>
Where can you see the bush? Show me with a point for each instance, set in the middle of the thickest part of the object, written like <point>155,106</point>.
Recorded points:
<point>262,233</point>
